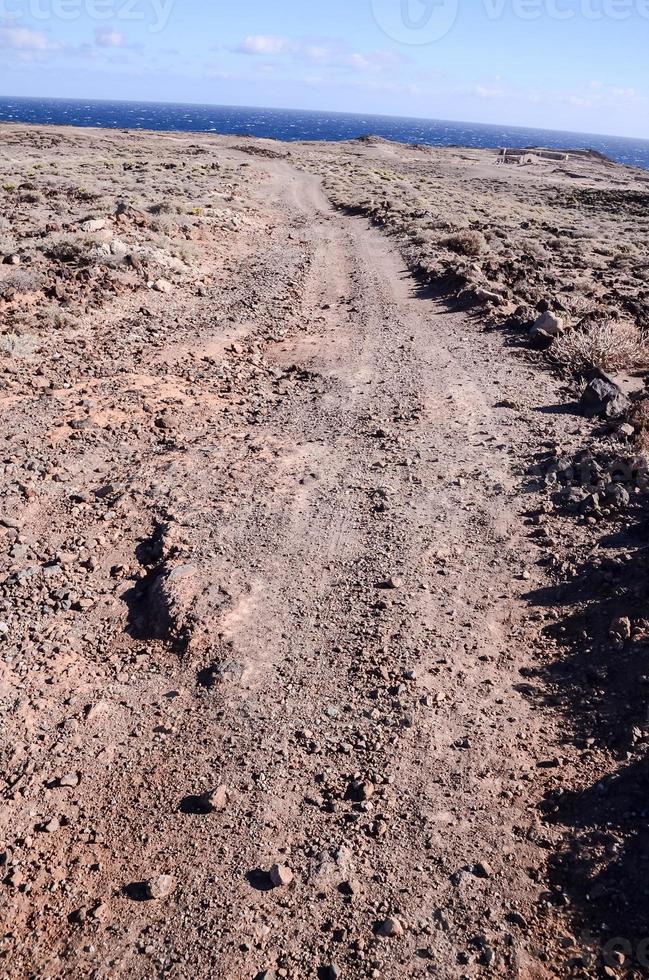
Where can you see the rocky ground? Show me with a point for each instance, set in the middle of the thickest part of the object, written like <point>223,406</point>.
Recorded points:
<point>323,649</point>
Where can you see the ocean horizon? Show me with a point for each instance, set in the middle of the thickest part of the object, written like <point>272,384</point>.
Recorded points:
<point>310,125</point>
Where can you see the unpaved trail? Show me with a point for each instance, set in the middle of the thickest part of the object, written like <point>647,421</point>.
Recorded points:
<point>347,624</point>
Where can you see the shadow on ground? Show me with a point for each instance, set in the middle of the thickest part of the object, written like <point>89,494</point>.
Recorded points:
<point>601,685</point>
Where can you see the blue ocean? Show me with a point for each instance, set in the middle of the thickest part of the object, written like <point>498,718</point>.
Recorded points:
<point>293,124</point>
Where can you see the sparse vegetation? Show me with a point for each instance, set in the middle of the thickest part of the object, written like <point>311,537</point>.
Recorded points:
<point>19,280</point>
<point>518,239</point>
<point>69,249</point>
<point>156,219</point>
<point>609,345</point>
<point>465,242</point>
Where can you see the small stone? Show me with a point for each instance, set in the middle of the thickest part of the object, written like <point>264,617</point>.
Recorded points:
<point>162,286</point>
<point>9,522</point>
<point>617,495</point>
<point>488,956</point>
<point>100,912</point>
<point>483,295</point>
<point>70,779</point>
<point>159,887</point>
<point>93,224</point>
<point>51,826</point>
<point>330,972</point>
<point>359,791</point>
<point>217,799</point>
<point>389,928</point>
<point>280,876</point>
<point>621,628</point>
<point>17,878</point>
<point>483,870</point>
<point>350,887</point>
<point>517,919</point>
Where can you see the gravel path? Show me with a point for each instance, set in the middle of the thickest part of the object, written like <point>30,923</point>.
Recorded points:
<point>310,595</point>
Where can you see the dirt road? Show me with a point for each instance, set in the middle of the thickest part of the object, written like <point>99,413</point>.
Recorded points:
<point>311,591</point>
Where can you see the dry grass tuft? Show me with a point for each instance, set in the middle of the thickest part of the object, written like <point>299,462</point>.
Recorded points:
<point>70,250</point>
<point>607,345</point>
<point>19,280</point>
<point>465,242</point>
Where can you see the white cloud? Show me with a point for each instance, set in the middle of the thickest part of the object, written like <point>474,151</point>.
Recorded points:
<point>109,37</point>
<point>24,39</point>
<point>593,95</point>
<point>325,53</point>
<point>264,44</point>
<point>373,61</point>
<point>486,92</point>
<point>490,88</point>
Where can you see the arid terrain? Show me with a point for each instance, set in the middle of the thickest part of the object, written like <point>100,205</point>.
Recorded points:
<point>324,638</point>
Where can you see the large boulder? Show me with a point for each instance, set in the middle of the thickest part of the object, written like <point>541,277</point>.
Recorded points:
<point>549,324</point>
<point>602,398</point>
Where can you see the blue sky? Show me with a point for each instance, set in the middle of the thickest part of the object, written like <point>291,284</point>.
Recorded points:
<point>566,64</point>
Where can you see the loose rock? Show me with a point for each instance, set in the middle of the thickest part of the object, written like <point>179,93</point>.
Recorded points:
<point>280,876</point>
<point>389,928</point>
<point>550,324</point>
<point>159,887</point>
<point>603,398</point>
<point>70,780</point>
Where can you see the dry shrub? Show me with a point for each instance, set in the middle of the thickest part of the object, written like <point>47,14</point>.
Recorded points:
<point>7,244</point>
<point>465,242</point>
<point>420,236</point>
<point>639,414</point>
<point>18,344</point>
<point>607,345</point>
<point>189,252</point>
<point>19,280</point>
<point>85,194</point>
<point>163,207</point>
<point>163,224</point>
<point>30,197</point>
<point>55,318</point>
<point>70,250</point>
